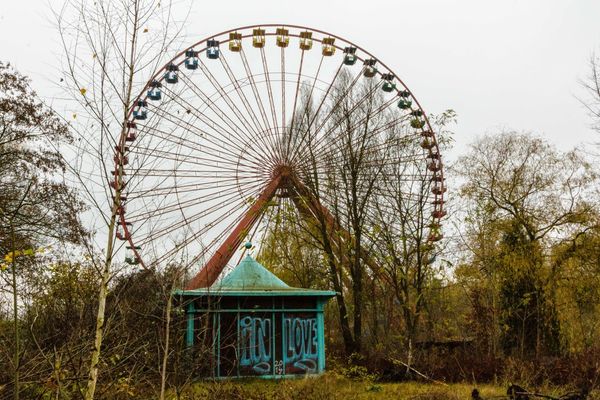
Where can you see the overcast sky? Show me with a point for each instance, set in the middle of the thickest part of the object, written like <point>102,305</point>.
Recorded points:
<point>503,64</point>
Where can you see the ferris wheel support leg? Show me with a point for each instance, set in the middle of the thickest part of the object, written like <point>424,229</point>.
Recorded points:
<point>211,270</point>
<point>310,207</point>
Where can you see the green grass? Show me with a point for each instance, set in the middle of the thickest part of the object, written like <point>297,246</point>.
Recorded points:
<point>334,386</point>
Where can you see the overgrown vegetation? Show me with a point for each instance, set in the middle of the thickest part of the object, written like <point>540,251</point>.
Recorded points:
<point>511,294</point>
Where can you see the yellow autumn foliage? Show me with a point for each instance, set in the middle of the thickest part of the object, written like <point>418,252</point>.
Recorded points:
<point>10,256</point>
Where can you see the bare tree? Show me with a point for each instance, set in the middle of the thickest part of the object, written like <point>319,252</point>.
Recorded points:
<point>359,154</point>
<point>592,88</point>
<point>111,48</point>
<point>403,215</point>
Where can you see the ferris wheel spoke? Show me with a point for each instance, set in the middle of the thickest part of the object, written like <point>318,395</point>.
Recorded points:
<point>203,134</point>
<point>330,197</point>
<point>187,173</point>
<point>205,185</point>
<point>227,208</point>
<point>283,116</point>
<point>278,133</point>
<point>191,238</point>
<point>335,107</point>
<point>220,150</point>
<point>182,188</point>
<point>312,120</point>
<point>222,164</point>
<point>242,96</point>
<point>225,96</point>
<point>321,150</point>
<point>406,177</point>
<point>344,97</point>
<point>234,128</point>
<point>314,82</point>
<point>213,243</point>
<point>199,188</point>
<point>215,153</point>
<point>258,99</point>
<point>291,130</point>
<point>164,115</point>
<point>192,188</point>
<point>185,158</point>
<point>181,205</point>
<point>332,152</point>
<point>252,234</point>
<point>340,153</point>
<point>259,137</point>
<point>207,248</point>
<point>220,238</point>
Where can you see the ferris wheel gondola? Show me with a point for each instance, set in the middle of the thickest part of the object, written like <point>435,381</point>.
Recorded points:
<point>214,141</point>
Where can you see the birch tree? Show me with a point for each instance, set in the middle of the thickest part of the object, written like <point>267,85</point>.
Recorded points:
<point>111,48</point>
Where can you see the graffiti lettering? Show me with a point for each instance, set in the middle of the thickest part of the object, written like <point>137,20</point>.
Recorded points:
<point>255,343</point>
<point>278,367</point>
<point>302,344</point>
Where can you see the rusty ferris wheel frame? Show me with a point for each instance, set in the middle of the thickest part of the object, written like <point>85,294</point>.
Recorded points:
<point>200,127</point>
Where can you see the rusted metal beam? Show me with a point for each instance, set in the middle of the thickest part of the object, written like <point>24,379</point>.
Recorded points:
<point>310,207</point>
<point>209,274</point>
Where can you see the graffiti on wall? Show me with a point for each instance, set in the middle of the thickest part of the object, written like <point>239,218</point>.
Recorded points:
<point>302,344</point>
<point>255,343</point>
<point>300,351</point>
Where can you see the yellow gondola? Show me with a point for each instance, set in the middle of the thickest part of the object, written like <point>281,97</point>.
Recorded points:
<point>258,38</point>
<point>235,41</point>
<point>283,39</point>
<point>328,47</point>
<point>305,40</point>
<point>370,70</point>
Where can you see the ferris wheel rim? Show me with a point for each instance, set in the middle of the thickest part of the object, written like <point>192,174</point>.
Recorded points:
<point>159,76</point>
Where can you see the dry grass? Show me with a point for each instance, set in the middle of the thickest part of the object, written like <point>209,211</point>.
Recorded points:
<point>334,386</point>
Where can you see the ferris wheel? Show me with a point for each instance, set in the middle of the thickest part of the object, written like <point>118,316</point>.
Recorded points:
<point>255,119</point>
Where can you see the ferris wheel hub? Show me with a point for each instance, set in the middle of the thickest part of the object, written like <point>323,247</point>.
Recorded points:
<point>283,170</point>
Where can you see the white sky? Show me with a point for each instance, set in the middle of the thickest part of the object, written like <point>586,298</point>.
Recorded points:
<point>500,64</point>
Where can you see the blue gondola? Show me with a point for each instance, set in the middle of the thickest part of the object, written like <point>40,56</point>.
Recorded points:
<point>212,49</point>
<point>140,112</point>
<point>154,92</point>
<point>130,255</point>
<point>171,74</point>
<point>191,59</point>
<point>388,85</point>
<point>350,56</point>
<point>404,104</point>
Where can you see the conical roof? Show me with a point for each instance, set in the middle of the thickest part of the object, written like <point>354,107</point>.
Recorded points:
<point>250,275</point>
<point>251,278</point>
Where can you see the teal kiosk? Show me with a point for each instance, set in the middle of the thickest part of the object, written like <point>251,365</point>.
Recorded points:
<point>252,324</point>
